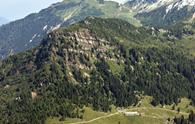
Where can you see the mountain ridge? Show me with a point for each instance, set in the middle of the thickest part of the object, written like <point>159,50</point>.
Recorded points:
<point>53,17</point>
<point>27,33</point>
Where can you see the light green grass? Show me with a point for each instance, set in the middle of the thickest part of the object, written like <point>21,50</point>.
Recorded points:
<point>90,114</point>
<point>145,101</point>
<point>56,121</point>
<point>188,43</point>
<point>115,68</point>
<point>109,9</point>
<point>146,120</point>
<point>149,114</point>
<point>184,105</point>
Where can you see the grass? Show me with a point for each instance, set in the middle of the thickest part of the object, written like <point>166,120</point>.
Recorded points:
<point>116,68</point>
<point>109,9</point>
<point>188,43</point>
<point>145,120</point>
<point>184,106</point>
<point>113,120</point>
<point>90,114</point>
<point>145,101</point>
<point>56,121</point>
<point>150,114</point>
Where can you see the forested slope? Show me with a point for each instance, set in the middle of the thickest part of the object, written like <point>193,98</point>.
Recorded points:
<point>96,63</point>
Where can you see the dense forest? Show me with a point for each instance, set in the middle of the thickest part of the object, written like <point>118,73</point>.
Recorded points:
<point>96,63</point>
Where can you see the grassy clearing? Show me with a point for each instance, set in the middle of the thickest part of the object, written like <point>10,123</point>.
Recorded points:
<point>184,106</point>
<point>90,114</point>
<point>188,43</point>
<point>115,68</point>
<point>145,101</point>
<point>145,120</point>
<point>150,114</point>
<point>56,121</point>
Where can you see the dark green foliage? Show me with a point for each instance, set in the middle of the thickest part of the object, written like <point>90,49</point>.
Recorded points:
<point>182,120</point>
<point>101,1</point>
<point>113,29</point>
<point>66,77</point>
<point>159,74</point>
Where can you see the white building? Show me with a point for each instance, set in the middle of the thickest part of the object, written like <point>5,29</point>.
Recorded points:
<point>132,114</point>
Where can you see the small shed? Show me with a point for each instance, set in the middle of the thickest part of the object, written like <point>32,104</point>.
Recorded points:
<point>132,114</point>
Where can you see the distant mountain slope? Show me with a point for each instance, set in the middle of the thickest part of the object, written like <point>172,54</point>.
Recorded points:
<point>162,17</point>
<point>95,63</point>
<point>164,13</point>
<point>28,32</point>
<point>140,5</point>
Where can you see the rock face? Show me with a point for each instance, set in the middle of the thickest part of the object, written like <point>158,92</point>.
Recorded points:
<point>82,43</point>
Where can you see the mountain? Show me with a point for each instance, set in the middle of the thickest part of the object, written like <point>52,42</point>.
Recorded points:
<point>140,5</point>
<point>164,13</point>
<point>149,5</point>
<point>26,33</point>
<point>96,63</point>
<point>3,21</point>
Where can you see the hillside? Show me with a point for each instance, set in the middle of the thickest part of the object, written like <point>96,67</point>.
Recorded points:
<point>95,63</point>
<point>27,33</point>
<point>165,13</point>
<point>150,115</point>
<point>161,17</point>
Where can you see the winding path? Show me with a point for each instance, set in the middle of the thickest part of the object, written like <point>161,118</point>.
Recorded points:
<point>116,113</point>
<point>95,119</point>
